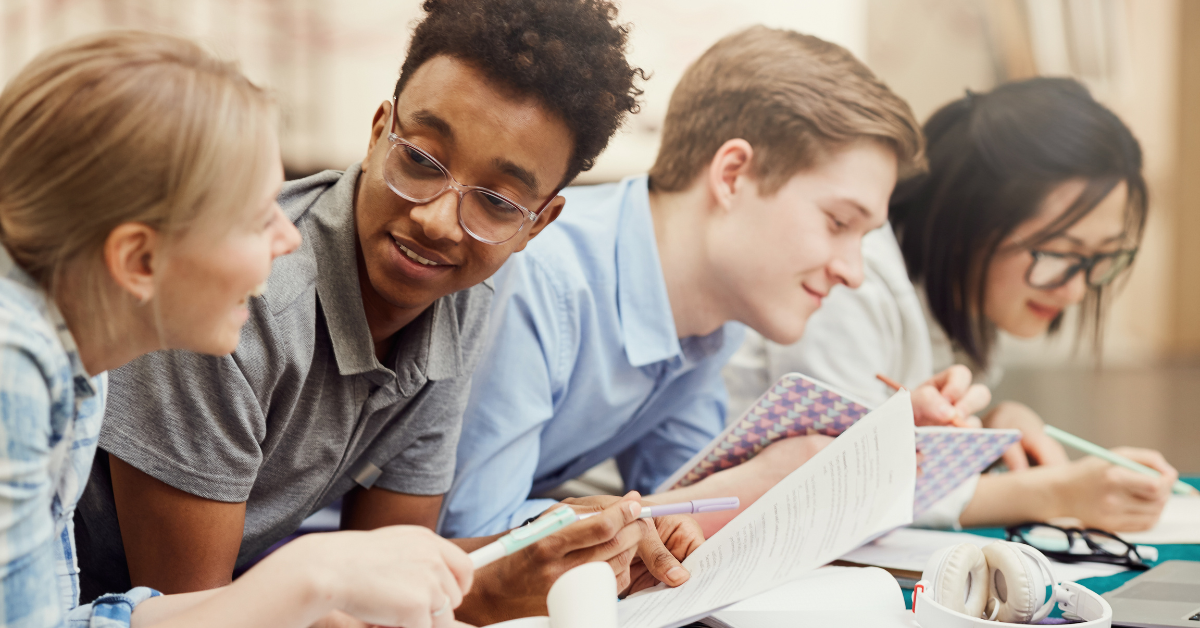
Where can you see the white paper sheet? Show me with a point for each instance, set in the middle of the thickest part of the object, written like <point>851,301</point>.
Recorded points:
<point>858,487</point>
<point>910,549</point>
<point>829,589</point>
<point>833,597</point>
<point>1180,523</point>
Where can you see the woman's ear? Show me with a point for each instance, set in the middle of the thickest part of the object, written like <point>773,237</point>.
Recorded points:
<point>731,162</point>
<point>130,254</point>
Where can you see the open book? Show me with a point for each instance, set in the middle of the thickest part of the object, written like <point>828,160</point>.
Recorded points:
<point>829,597</point>
<point>799,405</point>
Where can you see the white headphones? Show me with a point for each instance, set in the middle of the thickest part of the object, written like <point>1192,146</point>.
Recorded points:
<point>964,586</point>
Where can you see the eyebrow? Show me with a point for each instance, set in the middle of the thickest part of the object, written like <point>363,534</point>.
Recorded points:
<point>845,200</point>
<point>1078,242</point>
<point>527,178</point>
<point>431,120</point>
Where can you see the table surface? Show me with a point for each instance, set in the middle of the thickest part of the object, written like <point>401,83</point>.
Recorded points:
<point>1105,584</point>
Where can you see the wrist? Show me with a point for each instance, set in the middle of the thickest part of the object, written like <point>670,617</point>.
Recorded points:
<point>1050,493</point>
<point>488,602</point>
<point>319,589</point>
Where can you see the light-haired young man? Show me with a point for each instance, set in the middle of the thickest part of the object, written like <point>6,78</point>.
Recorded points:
<point>609,331</point>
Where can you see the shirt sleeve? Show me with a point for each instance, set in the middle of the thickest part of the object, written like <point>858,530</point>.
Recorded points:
<point>425,465</point>
<point>511,400</point>
<point>693,409</point>
<point>30,596</point>
<point>192,421</point>
<point>114,610</point>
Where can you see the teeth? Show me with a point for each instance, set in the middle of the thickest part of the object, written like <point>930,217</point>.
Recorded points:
<point>259,290</point>
<point>416,257</point>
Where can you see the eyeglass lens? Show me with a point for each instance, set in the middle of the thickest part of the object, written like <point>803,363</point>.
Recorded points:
<point>413,175</point>
<point>1052,539</point>
<point>1051,271</point>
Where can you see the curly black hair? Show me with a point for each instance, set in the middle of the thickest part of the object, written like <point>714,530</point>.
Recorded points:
<point>569,54</point>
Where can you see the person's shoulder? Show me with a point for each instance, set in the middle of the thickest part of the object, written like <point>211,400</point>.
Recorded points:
<point>578,250</point>
<point>24,320</point>
<point>298,196</point>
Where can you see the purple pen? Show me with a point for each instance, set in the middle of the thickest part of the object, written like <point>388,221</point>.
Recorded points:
<point>684,508</point>
<point>693,507</point>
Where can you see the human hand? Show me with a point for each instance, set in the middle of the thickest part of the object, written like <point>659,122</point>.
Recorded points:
<point>517,585</point>
<point>1109,497</point>
<point>1035,444</point>
<point>665,542</point>
<point>393,576</point>
<point>950,398</point>
<point>670,540</point>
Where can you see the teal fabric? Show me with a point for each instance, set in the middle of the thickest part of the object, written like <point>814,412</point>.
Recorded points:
<point>1106,583</point>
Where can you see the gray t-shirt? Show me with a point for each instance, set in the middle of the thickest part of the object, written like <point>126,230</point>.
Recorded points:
<point>303,411</point>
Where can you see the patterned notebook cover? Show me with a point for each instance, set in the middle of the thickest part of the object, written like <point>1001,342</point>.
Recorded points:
<point>949,455</point>
<point>798,405</point>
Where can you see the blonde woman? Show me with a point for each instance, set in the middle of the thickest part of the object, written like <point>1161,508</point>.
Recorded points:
<point>138,178</point>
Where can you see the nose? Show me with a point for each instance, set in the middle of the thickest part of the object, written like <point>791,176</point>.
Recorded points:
<point>1073,291</point>
<point>288,239</point>
<point>847,263</point>
<point>439,218</point>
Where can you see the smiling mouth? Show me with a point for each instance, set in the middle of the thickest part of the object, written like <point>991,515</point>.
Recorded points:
<point>1043,311</point>
<point>413,255</point>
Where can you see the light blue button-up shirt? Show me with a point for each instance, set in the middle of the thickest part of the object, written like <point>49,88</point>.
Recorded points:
<point>583,364</point>
<point>50,415</point>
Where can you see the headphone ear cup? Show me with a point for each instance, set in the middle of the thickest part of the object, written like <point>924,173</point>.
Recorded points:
<point>1017,582</point>
<point>958,577</point>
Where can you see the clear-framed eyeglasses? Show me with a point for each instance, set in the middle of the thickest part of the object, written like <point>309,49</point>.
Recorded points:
<point>1051,270</point>
<point>487,215</point>
<point>1073,545</point>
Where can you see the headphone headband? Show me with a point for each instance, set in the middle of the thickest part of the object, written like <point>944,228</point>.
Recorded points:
<point>1073,598</point>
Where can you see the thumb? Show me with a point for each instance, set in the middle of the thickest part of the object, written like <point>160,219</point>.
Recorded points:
<point>659,561</point>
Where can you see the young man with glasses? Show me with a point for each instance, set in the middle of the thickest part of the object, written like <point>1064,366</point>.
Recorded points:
<point>353,370</point>
<point>610,331</point>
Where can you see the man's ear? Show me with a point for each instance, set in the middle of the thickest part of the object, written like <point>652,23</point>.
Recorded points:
<point>548,215</point>
<point>730,164</point>
<point>379,129</point>
<point>130,253</point>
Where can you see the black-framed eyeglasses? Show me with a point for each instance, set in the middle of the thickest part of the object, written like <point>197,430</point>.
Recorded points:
<point>486,215</point>
<point>1051,270</point>
<point>1074,545</point>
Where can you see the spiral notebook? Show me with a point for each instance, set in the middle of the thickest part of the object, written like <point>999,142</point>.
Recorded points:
<point>798,405</point>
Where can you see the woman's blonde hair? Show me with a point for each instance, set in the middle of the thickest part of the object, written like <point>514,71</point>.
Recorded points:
<point>118,127</point>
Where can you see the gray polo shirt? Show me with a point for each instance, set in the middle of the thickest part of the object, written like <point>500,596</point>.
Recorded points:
<point>303,411</point>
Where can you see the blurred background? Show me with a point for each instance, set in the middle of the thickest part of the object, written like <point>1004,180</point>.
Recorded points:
<point>332,63</point>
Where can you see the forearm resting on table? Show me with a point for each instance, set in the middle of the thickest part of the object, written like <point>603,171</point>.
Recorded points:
<point>272,594</point>
<point>1004,499</point>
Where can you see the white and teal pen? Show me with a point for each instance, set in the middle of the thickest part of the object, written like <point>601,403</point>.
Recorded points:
<point>560,518</point>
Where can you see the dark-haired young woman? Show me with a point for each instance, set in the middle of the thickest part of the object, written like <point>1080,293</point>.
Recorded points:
<point>1034,203</point>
